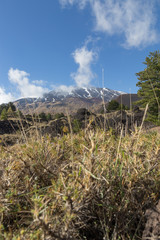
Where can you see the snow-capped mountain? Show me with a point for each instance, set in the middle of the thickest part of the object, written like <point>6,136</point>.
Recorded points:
<point>84,92</point>
<point>60,100</point>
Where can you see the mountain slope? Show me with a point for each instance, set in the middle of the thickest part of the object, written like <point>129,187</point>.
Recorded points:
<point>60,101</point>
<point>127,99</point>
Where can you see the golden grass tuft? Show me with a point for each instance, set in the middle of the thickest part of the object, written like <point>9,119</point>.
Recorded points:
<point>96,186</point>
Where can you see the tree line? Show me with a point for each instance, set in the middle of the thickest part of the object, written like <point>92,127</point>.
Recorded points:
<point>6,110</point>
<point>9,110</point>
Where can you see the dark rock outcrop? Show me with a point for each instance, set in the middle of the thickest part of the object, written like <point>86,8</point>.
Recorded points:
<point>82,114</point>
<point>152,227</point>
<point>11,126</point>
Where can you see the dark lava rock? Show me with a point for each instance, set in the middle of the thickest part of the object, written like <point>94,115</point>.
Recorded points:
<point>152,227</point>
<point>82,114</point>
<point>11,126</point>
<point>55,128</point>
<point>10,139</point>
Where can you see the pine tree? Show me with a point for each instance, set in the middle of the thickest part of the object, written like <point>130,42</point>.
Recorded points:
<point>12,106</point>
<point>113,105</point>
<point>149,86</point>
<point>4,114</point>
<point>10,112</point>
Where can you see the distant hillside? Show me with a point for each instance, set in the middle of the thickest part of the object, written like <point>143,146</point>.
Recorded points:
<point>127,98</point>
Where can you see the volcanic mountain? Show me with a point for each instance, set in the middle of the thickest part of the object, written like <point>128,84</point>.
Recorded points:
<point>70,101</point>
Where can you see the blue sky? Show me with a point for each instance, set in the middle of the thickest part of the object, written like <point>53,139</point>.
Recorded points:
<point>60,44</point>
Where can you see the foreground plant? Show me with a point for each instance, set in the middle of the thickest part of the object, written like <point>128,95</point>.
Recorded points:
<point>91,185</point>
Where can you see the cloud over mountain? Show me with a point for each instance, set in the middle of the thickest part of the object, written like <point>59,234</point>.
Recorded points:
<point>5,97</point>
<point>23,85</point>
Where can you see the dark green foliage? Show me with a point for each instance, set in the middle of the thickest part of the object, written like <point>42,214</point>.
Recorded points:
<point>149,86</point>
<point>76,125</point>
<point>2,106</point>
<point>48,116</point>
<point>113,105</point>
<point>12,106</point>
<point>4,114</point>
<point>8,107</point>
<point>58,115</point>
<point>43,116</point>
<point>10,112</point>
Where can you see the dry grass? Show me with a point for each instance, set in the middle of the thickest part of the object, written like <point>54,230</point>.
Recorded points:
<point>96,186</point>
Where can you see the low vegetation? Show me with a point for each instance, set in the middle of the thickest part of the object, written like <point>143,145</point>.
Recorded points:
<point>89,185</point>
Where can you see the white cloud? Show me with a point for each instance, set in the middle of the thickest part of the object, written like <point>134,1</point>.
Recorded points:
<point>26,89</point>
<point>81,3</point>
<point>63,88</point>
<point>5,97</point>
<point>133,19</point>
<point>84,58</point>
<point>39,82</point>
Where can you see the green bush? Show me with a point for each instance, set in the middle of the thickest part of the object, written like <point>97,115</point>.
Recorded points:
<point>76,125</point>
<point>43,116</point>
<point>48,116</point>
<point>113,105</point>
<point>58,115</point>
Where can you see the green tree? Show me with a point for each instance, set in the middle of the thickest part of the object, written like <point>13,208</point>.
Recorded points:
<point>4,114</point>
<point>76,125</point>
<point>149,86</point>
<point>113,105</point>
<point>10,112</point>
<point>12,106</point>
<point>48,117</point>
<point>2,106</point>
<point>58,115</point>
<point>42,116</point>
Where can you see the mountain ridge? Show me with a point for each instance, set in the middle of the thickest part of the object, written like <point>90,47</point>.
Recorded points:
<point>60,100</point>
<point>84,92</point>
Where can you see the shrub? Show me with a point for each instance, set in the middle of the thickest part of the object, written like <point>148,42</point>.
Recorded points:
<point>43,116</point>
<point>113,105</point>
<point>58,115</point>
<point>76,125</point>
